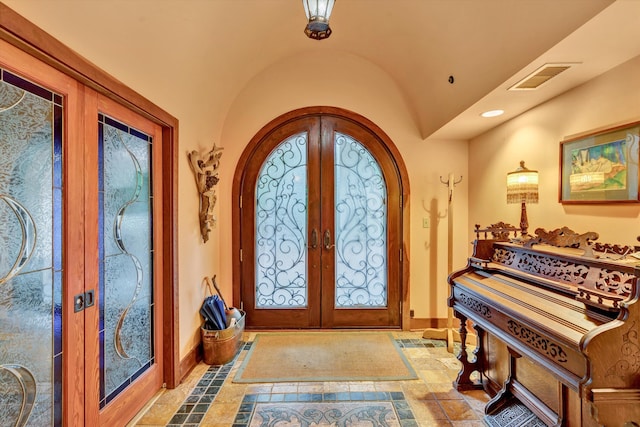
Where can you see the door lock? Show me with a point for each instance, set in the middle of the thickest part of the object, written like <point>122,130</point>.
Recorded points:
<point>83,300</point>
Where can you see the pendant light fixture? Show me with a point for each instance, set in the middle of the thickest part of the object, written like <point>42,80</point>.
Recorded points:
<point>318,13</point>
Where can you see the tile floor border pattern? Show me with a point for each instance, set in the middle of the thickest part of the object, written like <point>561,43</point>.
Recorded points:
<point>196,405</point>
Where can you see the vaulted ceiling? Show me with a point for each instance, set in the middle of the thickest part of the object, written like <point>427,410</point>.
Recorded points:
<point>215,47</point>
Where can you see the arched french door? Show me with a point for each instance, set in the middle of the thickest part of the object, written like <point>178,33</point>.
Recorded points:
<point>320,224</point>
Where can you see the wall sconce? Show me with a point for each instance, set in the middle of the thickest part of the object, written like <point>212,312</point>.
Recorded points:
<point>318,13</point>
<point>522,187</point>
<point>205,169</point>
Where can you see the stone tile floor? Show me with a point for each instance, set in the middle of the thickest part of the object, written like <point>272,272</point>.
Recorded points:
<point>208,397</point>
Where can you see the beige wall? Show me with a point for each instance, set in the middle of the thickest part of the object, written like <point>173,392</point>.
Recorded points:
<point>534,137</point>
<point>360,86</point>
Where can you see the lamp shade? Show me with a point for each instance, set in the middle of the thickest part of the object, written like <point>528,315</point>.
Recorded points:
<point>522,185</point>
<point>318,13</point>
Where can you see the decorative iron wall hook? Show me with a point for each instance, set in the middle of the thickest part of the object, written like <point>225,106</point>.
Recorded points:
<point>450,184</point>
<point>205,170</point>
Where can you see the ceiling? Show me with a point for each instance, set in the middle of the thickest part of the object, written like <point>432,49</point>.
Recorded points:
<point>190,47</point>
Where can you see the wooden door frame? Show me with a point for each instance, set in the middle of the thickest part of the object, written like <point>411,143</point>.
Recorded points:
<point>19,32</point>
<point>150,381</point>
<point>394,153</point>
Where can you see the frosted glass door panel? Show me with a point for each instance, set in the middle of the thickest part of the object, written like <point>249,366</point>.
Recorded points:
<point>360,227</point>
<point>126,250</point>
<point>30,253</point>
<point>281,227</point>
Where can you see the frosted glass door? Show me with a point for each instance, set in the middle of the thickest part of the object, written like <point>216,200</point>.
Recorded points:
<point>78,317</point>
<point>30,253</point>
<point>126,253</point>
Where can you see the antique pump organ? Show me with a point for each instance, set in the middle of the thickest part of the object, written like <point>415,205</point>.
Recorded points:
<point>557,320</point>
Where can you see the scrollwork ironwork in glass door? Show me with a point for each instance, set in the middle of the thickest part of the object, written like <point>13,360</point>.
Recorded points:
<point>360,226</point>
<point>281,227</point>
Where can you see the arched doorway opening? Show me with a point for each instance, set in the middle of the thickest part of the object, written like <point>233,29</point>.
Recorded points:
<point>320,227</point>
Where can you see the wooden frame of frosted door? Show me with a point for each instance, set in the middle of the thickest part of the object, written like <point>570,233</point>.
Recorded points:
<point>130,401</point>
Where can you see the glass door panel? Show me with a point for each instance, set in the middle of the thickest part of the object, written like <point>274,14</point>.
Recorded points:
<point>360,227</point>
<point>281,227</point>
<point>31,253</point>
<point>126,256</point>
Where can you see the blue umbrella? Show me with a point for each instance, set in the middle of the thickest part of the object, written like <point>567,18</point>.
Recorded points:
<point>212,311</point>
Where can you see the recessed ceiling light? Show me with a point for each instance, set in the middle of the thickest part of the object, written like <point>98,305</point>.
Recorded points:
<point>492,113</point>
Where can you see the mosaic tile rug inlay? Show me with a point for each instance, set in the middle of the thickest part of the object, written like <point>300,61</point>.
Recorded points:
<point>325,414</point>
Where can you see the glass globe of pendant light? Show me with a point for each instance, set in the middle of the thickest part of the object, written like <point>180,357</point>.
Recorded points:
<point>318,13</point>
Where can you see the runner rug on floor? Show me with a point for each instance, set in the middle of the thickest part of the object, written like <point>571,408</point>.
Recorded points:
<point>324,356</point>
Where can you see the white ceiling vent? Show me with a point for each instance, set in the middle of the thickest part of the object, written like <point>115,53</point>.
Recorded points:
<point>540,76</point>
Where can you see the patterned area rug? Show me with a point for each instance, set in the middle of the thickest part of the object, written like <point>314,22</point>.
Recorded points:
<point>324,356</point>
<point>514,414</point>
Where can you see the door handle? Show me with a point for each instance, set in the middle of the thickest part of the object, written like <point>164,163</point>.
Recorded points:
<point>327,240</point>
<point>314,239</point>
<point>89,299</point>
<point>78,302</point>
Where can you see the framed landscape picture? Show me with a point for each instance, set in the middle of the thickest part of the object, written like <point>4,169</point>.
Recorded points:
<point>601,167</point>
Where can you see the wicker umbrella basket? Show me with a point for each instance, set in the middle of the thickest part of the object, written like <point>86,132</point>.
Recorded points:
<point>221,346</point>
